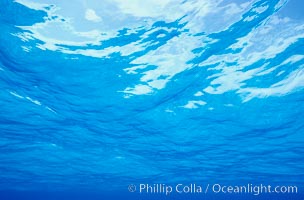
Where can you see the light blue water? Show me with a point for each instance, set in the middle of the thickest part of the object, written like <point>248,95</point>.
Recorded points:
<point>97,95</point>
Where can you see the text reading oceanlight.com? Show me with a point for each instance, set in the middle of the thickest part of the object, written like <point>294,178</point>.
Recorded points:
<point>212,188</point>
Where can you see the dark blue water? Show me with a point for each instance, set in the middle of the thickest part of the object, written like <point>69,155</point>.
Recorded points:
<point>98,95</point>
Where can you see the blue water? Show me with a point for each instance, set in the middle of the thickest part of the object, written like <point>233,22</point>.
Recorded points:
<point>98,95</point>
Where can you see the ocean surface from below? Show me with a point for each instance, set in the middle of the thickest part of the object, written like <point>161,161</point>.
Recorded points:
<point>98,98</point>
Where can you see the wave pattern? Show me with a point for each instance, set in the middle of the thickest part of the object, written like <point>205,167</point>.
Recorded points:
<point>161,91</point>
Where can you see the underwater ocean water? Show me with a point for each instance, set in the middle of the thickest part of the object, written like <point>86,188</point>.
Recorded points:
<point>155,99</point>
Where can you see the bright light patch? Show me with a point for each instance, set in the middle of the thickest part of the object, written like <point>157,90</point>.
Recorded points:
<point>194,104</point>
<point>92,16</point>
